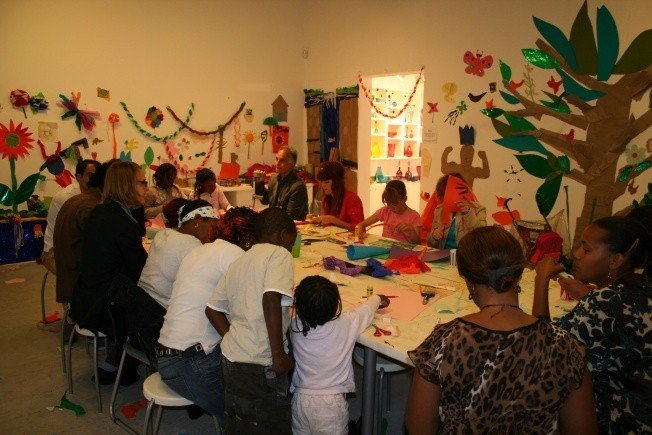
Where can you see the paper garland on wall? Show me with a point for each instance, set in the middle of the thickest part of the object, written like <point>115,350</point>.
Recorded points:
<point>146,133</point>
<point>173,155</point>
<point>394,114</point>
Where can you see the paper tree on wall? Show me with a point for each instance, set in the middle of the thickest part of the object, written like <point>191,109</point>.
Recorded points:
<point>600,108</point>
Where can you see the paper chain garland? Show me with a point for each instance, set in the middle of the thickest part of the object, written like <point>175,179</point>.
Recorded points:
<point>380,111</point>
<point>182,168</point>
<point>146,133</point>
<point>219,129</point>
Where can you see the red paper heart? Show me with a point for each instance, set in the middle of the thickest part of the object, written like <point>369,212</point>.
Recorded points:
<point>94,155</point>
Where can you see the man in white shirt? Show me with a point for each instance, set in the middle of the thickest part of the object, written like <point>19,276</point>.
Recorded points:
<point>83,172</point>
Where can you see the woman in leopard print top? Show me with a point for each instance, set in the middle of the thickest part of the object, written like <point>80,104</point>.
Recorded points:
<point>499,370</point>
<point>614,321</point>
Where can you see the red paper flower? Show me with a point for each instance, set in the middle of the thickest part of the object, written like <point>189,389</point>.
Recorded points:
<point>14,141</point>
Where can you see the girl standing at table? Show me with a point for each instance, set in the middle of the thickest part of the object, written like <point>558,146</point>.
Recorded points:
<point>206,188</point>
<point>499,370</point>
<point>323,339</point>
<point>614,321</point>
<point>340,206</point>
<point>400,222</point>
<point>163,190</point>
<point>448,230</point>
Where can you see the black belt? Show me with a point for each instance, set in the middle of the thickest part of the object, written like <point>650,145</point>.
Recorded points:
<point>195,349</point>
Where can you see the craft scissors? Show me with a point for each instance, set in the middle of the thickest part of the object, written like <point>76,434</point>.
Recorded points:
<point>380,331</point>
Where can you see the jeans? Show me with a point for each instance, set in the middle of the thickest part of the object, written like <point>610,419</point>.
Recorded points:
<point>197,378</point>
<point>256,401</point>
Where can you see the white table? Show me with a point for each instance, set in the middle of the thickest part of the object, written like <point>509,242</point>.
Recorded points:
<point>411,333</point>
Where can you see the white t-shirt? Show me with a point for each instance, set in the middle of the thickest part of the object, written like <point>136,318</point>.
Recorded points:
<point>58,200</point>
<point>168,249</point>
<point>323,357</point>
<point>264,268</point>
<point>185,323</point>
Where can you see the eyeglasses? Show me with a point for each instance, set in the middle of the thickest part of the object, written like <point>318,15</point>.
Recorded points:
<point>142,182</point>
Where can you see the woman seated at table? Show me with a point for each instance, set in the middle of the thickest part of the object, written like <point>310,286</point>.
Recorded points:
<point>206,188</point>
<point>163,190</point>
<point>613,321</point>
<point>448,230</point>
<point>340,207</point>
<point>498,370</point>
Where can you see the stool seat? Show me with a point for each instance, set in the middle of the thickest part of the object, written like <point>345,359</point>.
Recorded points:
<point>381,363</point>
<point>154,389</point>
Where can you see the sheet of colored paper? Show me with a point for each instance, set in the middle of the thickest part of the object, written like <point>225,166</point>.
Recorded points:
<point>428,256</point>
<point>405,306</point>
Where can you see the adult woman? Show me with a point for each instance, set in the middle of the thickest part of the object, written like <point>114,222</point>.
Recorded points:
<point>499,370</point>
<point>340,207</point>
<point>448,230</point>
<point>206,188</point>
<point>614,321</point>
<point>163,190</point>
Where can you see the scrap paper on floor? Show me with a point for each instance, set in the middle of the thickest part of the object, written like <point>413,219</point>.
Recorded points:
<point>406,305</point>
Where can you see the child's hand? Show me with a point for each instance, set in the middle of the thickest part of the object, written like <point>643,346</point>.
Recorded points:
<point>384,302</point>
<point>463,206</point>
<point>437,233</point>
<point>326,219</point>
<point>282,363</point>
<point>403,227</point>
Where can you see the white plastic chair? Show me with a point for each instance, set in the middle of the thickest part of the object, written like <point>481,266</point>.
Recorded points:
<point>94,337</point>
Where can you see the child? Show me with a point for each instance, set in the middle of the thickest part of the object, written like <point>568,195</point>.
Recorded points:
<point>400,222</point>
<point>448,230</point>
<point>256,293</point>
<point>323,342</point>
<point>206,188</point>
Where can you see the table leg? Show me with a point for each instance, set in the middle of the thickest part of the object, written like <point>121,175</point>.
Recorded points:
<point>368,390</point>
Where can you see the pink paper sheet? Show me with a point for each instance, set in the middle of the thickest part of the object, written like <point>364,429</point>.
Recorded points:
<point>406,306</point>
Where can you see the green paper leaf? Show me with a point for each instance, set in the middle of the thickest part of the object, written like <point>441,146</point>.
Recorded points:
<point>509,98</point>
<point>68,114</point>
<point>505,71</point>
<point>557,40</point>
<point>539,58</point>
<point>572,87</point>
<point>534,165</point>
<point>562,163</point>
<point>6,195</point>
<point>518,123</point>
<point>26,188</point>
<point>645,164</point>
<point>67,404</point>
<point>522,143</point>
<point>637,56</point>
<point>557,104</point>
<point>607,43</point>
<point>503,129</point>
<point>547,193</point>
<point>493,113</point>
<point>78,123</point>
<point>583,42</point>
<point>149,156</point>
<point>623,174</point>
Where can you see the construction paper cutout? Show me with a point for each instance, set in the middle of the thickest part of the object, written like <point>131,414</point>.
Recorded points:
<point>535,165</point>
<point>125,156</point>
<point>513,86</point>
<point>15,281</point>
<point>131,144</point>
<point>64,179</point>
<point>229,171</point>
<point>97,141</point>
<point>518,123</point>
<point>634,154</point>
<point>505,216</point>
<point>465,167</point>
<point>539,58</point>
<point>502,128</point>
<point>38,103</point>
<point>505,71</point>
<point>530,86</point>
<point>494,112</point>
<point>467,135</point>
<point>608,42</point>
<point>554,84</point>
<point>406,304</point>
<point>426,162</point>
<point>67,404</point>
<point>104,93</point>
<point>452,116</point>
<point>432,108</point>
<point>557,104</point>
<point>114,118</point>
<point>521,143</point>
<point>476,98</point>
<point>492,87</point>
<point>509,98</point>
<point>429,255</point>
<point>130,411</point>
<point>53,162</point>
<point>410,264</point>
<point>637,56</point>
<point>19,99</point>
<point>249,137</point>
<point>15,143</point>
<point>570,135</point>
<point>154,117</point>
<point>449,89</point>
<point>51,318</point>
<point>84,118</point>
<point>547,193</point>
<point>249,115</point>
<point>48,130</point>
<point>146,133</point>
<point>557,40</point>
<point>489,104</point>
<point>583,42</point>
<point>280,109</point>
<point>476,63</point>
<point>456,190</point>
<point>280,137</point>
<point>572,87</point>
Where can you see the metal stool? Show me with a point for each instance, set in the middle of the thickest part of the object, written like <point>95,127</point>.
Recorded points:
<point>158,393</point>
<point>127,349</point>
<point>95,337</point>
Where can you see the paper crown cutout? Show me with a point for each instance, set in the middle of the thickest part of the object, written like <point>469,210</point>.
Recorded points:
<point>467,135</point>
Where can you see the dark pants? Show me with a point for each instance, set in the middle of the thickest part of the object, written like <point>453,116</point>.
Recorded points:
<point>255,400</point>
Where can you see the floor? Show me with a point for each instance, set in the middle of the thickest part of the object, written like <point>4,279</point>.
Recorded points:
<point>32,381</point>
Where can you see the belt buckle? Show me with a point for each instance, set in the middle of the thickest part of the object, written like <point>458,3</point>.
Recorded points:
<point>198,348</point>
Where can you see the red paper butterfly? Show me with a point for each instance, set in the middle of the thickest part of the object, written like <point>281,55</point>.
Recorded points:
<point>476,63</point>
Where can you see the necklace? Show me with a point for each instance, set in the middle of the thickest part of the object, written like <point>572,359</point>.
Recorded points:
<point>502,307</point>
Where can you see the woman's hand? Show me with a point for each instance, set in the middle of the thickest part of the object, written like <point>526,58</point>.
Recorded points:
<point>574,288</point>
<point>326,219</point>
<point>547,268</point>
<point>437,233</point>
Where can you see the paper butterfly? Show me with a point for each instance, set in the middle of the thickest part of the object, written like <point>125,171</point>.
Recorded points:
<point>476,63</point>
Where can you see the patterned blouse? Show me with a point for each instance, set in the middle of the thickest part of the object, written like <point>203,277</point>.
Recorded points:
<point>615,325</point>
<point>157,197</point>
<point>500,381</point>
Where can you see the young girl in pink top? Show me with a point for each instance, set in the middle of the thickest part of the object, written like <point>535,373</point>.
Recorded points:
<point>400,222</point>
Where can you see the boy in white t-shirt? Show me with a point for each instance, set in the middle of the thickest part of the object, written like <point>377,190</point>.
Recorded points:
<point>323,341</point>
<point>250,309</point>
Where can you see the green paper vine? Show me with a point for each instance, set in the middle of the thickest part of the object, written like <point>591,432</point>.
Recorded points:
<point>146,133</point>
